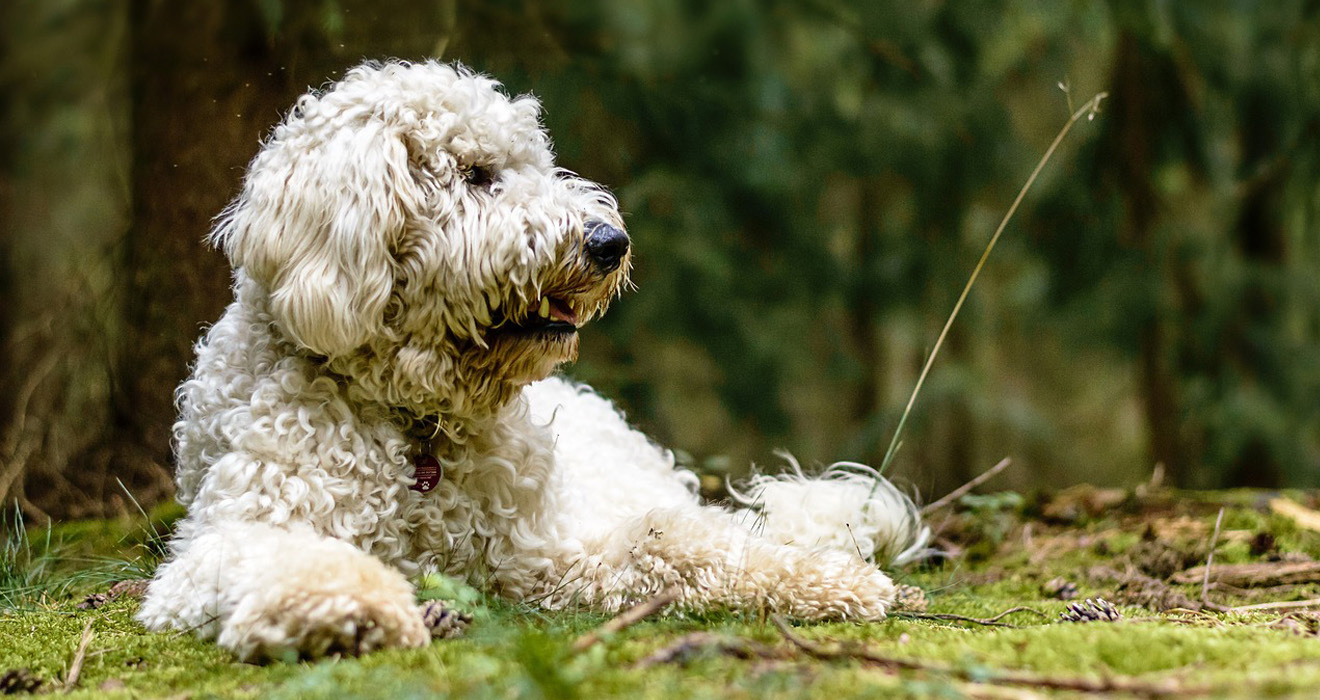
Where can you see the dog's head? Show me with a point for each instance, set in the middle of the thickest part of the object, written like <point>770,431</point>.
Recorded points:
<point>410,226</point>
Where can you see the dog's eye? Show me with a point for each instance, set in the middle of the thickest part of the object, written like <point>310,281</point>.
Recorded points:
<point>479,176</point>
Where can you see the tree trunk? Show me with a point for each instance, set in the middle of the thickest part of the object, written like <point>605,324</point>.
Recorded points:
<point>868,399</point>
<point>205,86</point>
<point>1151,93</point>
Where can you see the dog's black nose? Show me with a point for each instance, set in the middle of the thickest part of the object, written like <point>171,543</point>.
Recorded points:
<point>605,245</point>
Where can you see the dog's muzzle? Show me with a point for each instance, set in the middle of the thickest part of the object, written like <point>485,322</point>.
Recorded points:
<point>605,246</point>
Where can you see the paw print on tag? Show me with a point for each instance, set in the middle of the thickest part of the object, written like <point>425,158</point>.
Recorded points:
<point>426,471</point>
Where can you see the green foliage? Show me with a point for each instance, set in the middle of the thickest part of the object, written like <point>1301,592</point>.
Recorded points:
<point>992,502</point>
<point>1211,234</point>
<point>329,13</point>
<point>56,563</point>
<point>24,571</point>
<point>808,184</point>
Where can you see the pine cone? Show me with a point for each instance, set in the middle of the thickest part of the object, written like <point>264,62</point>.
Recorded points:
<point>445,622</point>
<point>1091,610</point>
<point>19,680</point>
<point>910,599</point>
<point>93,601</point>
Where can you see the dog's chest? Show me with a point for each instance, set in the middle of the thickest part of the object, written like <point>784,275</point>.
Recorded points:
<point>467,510</point>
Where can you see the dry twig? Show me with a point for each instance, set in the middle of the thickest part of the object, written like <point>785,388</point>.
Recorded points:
<point>962,490</point>
<point>625,619</point>
<point>79,656</point>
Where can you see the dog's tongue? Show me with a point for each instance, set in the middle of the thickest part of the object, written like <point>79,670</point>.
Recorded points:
<point>560,311</point>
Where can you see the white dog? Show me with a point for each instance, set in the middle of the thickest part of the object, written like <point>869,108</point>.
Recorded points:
<point>410,267</point>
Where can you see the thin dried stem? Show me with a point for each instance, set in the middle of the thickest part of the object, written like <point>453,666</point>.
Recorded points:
<point>1089,110</point>
<point>962,490</point>
<point>1210,558</point>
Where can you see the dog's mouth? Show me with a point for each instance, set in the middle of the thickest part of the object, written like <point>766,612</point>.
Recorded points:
<point>552,315</point>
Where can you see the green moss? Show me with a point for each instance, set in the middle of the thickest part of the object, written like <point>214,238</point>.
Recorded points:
<point>519,651</point>
<point>512,656</point>
<point>1244,519</point>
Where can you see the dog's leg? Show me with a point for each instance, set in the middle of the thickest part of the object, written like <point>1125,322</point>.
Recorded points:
<point>714,562</point>
<point>800,547</point>
<point>277,593</point>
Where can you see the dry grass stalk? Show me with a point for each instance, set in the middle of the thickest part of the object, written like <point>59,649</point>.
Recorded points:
<point>1088,110</point>
<point>1210,558</point>
<point>965,488</point>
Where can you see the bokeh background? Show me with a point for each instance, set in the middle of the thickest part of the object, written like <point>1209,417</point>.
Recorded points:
<point>808,184</point>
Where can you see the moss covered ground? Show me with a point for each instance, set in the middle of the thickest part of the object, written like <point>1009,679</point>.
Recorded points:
<point>1178,632</point>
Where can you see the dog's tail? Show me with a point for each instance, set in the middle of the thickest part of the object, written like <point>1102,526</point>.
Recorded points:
<point>849,507</point>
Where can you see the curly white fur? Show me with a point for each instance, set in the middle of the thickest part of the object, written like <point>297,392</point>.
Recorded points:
<point>400,242</point>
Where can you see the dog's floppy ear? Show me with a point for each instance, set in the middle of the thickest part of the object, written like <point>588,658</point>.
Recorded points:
<point>315,225</point>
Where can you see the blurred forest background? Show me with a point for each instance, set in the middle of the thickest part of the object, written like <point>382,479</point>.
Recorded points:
<point>808,184</point>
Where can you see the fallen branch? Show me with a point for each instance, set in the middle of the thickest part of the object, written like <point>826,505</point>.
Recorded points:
<point>1271,592</point>
<point>997,677</point>
<point>624,620</point>
<point>1278,605</point>
<point>962,490</point>
<point>79,656</point>
<point>1256,574</point>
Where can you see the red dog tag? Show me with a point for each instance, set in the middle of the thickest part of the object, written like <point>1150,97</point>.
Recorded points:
<point>426,470</point>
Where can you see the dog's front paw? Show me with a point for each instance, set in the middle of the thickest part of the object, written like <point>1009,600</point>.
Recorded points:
<point>323,618</point>
<point>829,586</point>
<point>313,625</point>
